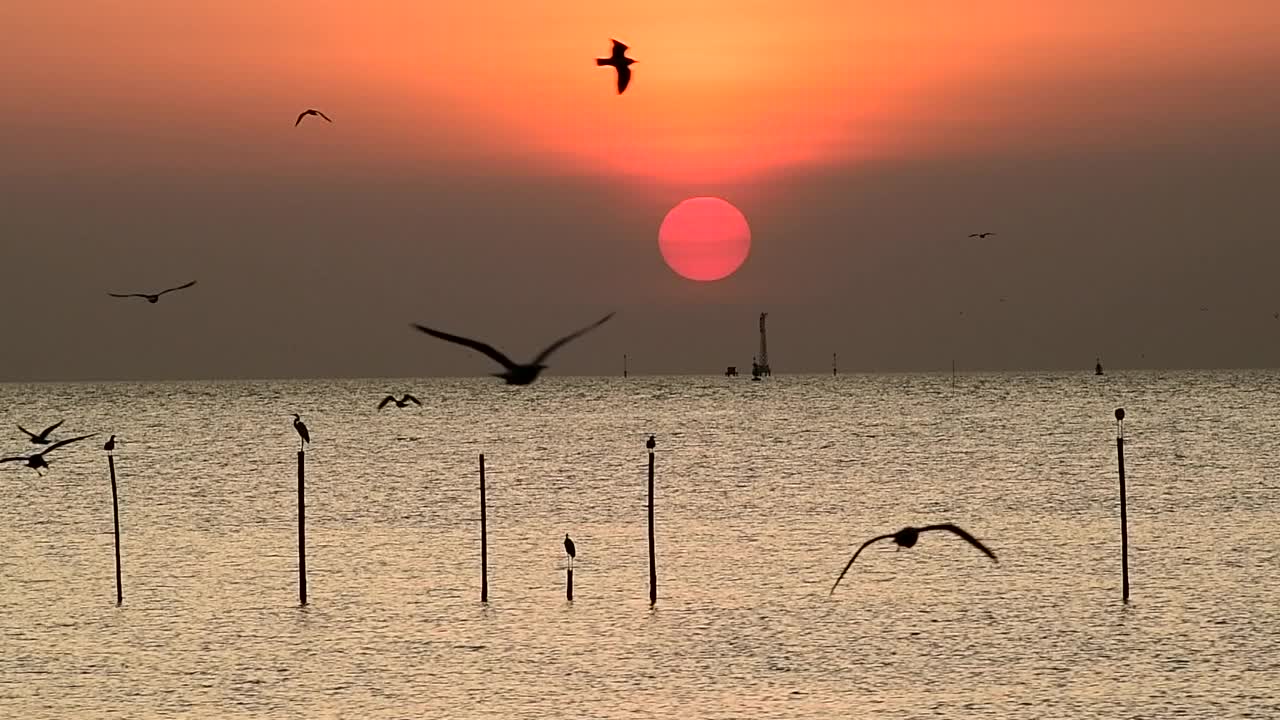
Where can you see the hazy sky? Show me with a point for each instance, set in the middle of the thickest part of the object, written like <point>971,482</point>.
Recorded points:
<point>482,176</point>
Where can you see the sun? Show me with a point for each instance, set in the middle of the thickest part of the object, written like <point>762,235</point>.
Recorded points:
<point>704,238</point>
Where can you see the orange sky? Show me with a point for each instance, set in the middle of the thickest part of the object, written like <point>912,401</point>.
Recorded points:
<point>724,89</point>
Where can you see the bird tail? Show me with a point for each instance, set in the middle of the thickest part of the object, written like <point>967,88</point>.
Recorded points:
<point>602,61</point>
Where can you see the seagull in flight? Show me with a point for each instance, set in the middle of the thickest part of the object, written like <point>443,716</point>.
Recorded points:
<point>402,402</point>
<point>906,537</point>
<point>38,461</point>
<point>981,234</point>
<point>514,373</point>
<point>618,59</point>
<point>305,113</point>
<point>156,297</point>
<point>43,437</point>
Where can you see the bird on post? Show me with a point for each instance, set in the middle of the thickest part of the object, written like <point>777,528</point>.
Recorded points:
<point>302,431</point>
<point>110,445</point>
<point>907,537</point>
<point>569,548</point>
<point>651,444</point>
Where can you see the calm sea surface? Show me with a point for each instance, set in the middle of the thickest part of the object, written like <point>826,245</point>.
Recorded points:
<point>763,492</point>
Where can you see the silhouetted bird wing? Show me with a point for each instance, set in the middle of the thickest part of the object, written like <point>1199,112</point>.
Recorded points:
<point>385,400</point>
<point>409,398</point>
<point>974,235</point>
<point>855,557</point>
<point>966,536</point>
<point>619,50</point>
<point>473,344</point>
<point>51,428</point>
<point>13,459</point>
<point>60,443</point>
<point>180,287</point>
<point>624,78</point>
<point>301,115</point>
<point>30,434</point>
<point>141,295</point>
<point>326,117</point>
<point>556,345</point>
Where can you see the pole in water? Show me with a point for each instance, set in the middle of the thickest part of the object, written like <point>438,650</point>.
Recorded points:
<point>115,517</point>
<point>568,585</point>
<point>302,528</point>
<point>833,364</point>
<point>953,373</point>
<point>653,562</point>
<point>1124,515</point>
<point>484,540</point>
<point>624,365</point>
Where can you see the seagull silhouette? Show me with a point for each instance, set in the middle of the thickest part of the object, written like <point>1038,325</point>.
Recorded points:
<point>42,438</point>
<point>302,430</point>
<point>515,373</point>
<point>156,297</point>
<point>906,537</point>
<point>37,461</point>
<point>981,235</point>
<point>305,113</point>
<point>399,403</point>
<point>618,59</point>
<point>569,548</point>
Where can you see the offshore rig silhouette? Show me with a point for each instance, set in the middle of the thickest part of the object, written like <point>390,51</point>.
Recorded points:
<point>760,363</point>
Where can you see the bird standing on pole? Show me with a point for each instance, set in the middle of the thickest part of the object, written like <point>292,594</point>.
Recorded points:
<point>569,548</point>
<point>302,430</point>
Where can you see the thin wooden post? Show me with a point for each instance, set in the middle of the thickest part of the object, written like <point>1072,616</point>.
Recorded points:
<point>1124,515</point>
<point>302,528</point>
<point>484,540</point>
<point>653,562</point>
<point>115,517</point>
<point>568,585</point>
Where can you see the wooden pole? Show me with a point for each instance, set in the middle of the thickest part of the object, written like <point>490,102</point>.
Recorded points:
<point>115,517</point>
<point>1124,515</point>
<point>653,562</point>
<point>302,529</point>
<point>568,585</point>
<point>484,540</point>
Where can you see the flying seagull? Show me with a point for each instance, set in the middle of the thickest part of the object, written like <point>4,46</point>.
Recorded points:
<point>514,374</point>
<point>906,537</point>
<point>302,430</point>
<point>569,548</point>
<point>619,60</point>
<point>305,113</point>
<point>156,297</point>
<point>42,438</point>
<point>399,403</point>
<point>981,234</point>
<point>37,461</point>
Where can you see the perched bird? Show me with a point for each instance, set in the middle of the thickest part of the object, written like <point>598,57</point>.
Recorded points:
<point>981,234</point>
<point>110,444</point>
<point>652,443</point>
<point>515,373</point>
<point>305,113</point>
<point>302,430</point>
<point>402,402</point>
<point>38,461</point>
<point>569,548</point>
<point>42,438</point>
<point>618,59</point>
<point>156,297</point>
<point>906,537</point>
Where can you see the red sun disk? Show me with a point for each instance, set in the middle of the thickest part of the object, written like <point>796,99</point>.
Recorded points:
<point>704,238</point>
